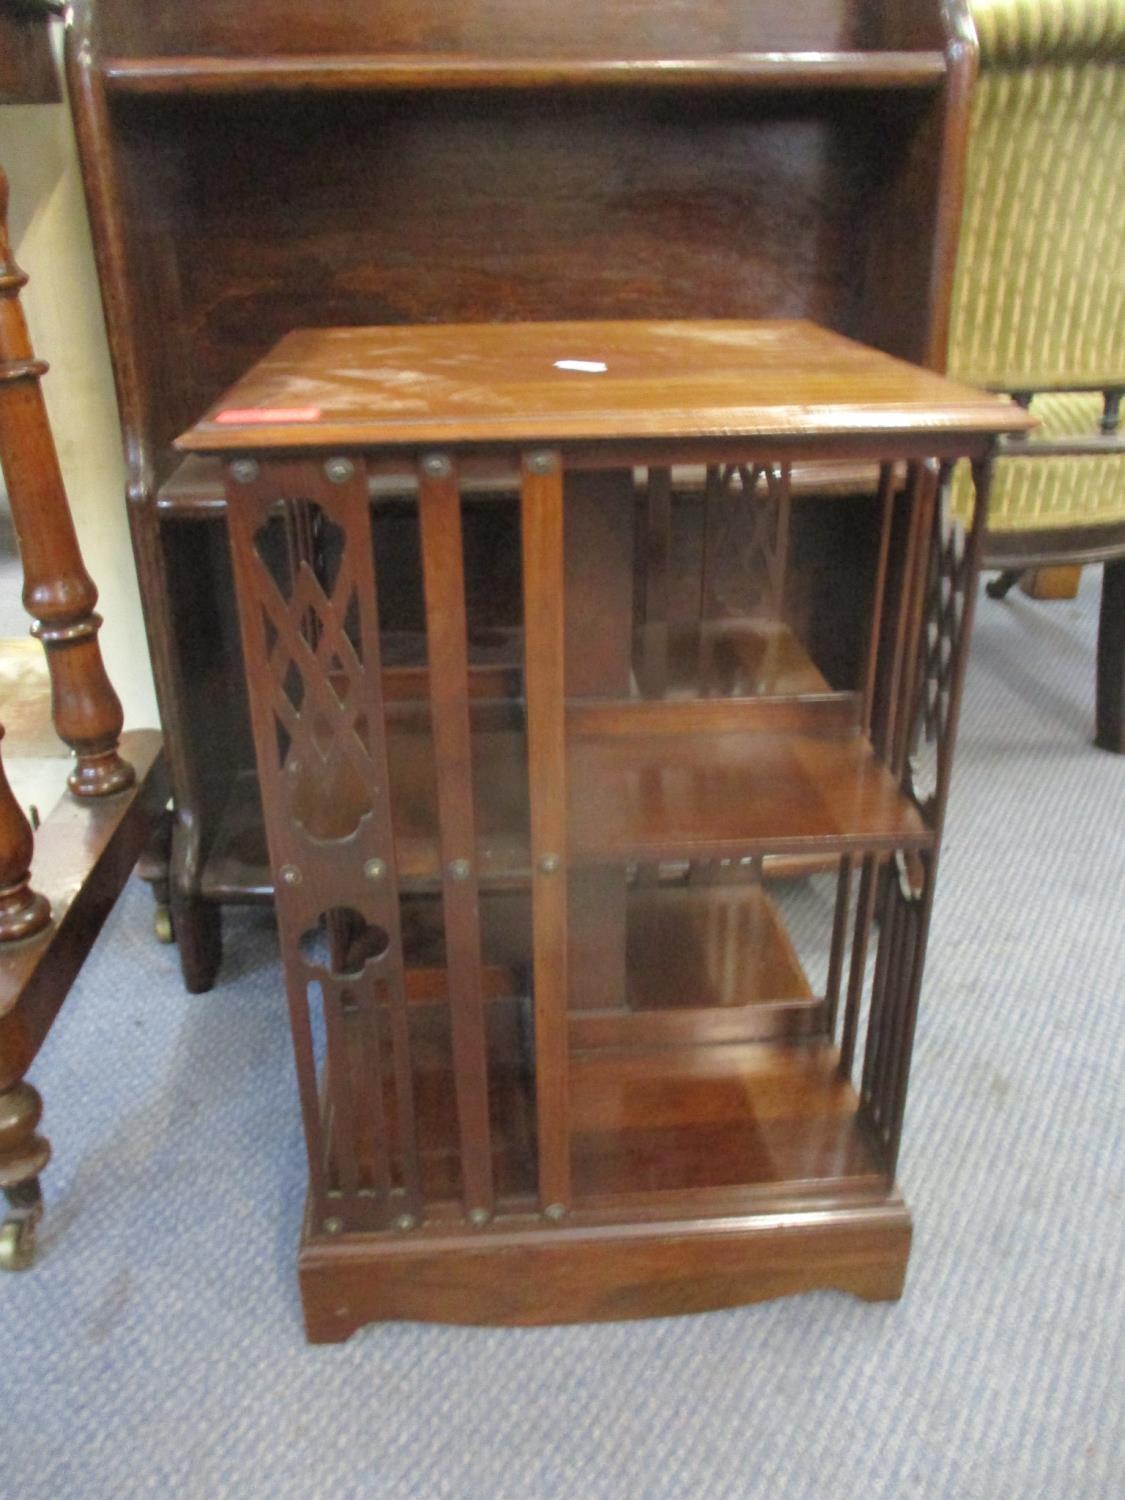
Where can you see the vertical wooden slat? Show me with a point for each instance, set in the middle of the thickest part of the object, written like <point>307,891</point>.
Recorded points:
<point>373,1108</point>
<point>598,548</point>
<point>714,489</point>
<point>360,568</point>
<point>896,1100</point>
<point>865,910</point>
<point>982,484</point>
<point>881,984</point>
<point>839,942</point>
<point>341,1089</point>
<point>885,737</point>
<point>658,548</point>
<point>779,493</point>
<point>911,661</point>
<point>443,571</point>
<point>896,993</point>
<point>886,517</point>
<point>544,670</point>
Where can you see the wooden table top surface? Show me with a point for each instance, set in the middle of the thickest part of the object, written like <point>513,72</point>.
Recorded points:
<point>553,382</point>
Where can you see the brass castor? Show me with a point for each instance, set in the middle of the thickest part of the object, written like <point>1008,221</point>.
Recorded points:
<point>17,1233</point>
<point>162,925</point>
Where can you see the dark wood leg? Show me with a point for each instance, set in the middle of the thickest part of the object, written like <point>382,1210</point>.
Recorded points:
<point>1001,586</point>
<point>198,928</point>
<point>1110,733</point>
<point>196,922</point>
<point>23,1155</point>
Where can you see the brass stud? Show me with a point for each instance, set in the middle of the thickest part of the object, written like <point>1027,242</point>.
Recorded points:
<point>375,869</point>
<point>437,466</point>
<point>333,1225</point>
<point>555,1212</point>
<point>459,869</point>
<point>339,470</point>
<point>541,463</point>
<point>549,864</point>
<point>244,471</point>
<point>405,1223</point>
<point>290,875</point>
<point>479,1217</point>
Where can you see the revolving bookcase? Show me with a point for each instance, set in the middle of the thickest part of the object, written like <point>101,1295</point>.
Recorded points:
<point>251,169</point>
<point>543,891</point>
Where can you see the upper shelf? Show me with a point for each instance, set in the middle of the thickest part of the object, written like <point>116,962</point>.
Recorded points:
<point>683,796</point>
<point>423,72</point>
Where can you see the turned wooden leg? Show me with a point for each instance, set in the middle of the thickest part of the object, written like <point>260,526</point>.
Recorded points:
<point>58,592</point>
<point>1110,732</point>
<point>23,1155</point>
<point>23,912</point>
<point>1001,586</point>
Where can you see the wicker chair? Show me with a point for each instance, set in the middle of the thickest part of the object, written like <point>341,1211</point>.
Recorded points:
<point>1039,297</point>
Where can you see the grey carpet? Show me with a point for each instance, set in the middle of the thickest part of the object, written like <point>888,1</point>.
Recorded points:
<point>157,1348</point>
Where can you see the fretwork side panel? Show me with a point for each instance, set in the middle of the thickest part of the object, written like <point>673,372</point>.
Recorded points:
<point>304,567</point>
<point>734,642</point>
<point>920,653</point>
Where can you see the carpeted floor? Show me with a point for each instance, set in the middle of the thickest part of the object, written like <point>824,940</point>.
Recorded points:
<point>157,1348</point>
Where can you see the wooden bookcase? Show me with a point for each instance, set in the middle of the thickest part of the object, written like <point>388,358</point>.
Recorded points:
<point>251,169</point>
<point>559,1057</point>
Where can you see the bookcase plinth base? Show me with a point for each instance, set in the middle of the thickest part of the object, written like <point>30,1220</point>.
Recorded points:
<point>600,1273</point>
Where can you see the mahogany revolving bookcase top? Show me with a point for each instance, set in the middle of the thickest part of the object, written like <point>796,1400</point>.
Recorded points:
<point>580,917</point>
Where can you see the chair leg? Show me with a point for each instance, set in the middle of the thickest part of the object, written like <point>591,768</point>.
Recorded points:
<point>1110,732</point>
<point>998,588</point>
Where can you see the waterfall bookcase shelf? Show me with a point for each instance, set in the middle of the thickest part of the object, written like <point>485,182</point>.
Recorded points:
<point>559,1051</point>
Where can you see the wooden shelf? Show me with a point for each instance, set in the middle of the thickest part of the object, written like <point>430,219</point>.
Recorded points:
<point>735,658</point>
<point>750,1118</point>
<point>694,1120</point>
<point>651,797</point>
<point>640,798</point>
<point>704,964</point>
<point>433,72</point>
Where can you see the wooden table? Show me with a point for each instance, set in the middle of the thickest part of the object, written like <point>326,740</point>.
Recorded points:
<point>559,1057</point>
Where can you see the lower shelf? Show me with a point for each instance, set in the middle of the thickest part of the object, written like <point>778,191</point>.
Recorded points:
<point>656,1125</point>
<point>688,1121</point>
<point>703,964</point>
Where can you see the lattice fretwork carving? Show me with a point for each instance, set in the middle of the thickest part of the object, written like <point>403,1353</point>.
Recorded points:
<point>307,590</point>
<point>303,552</point>
<point>943,624</point>
<point>746,516</point>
